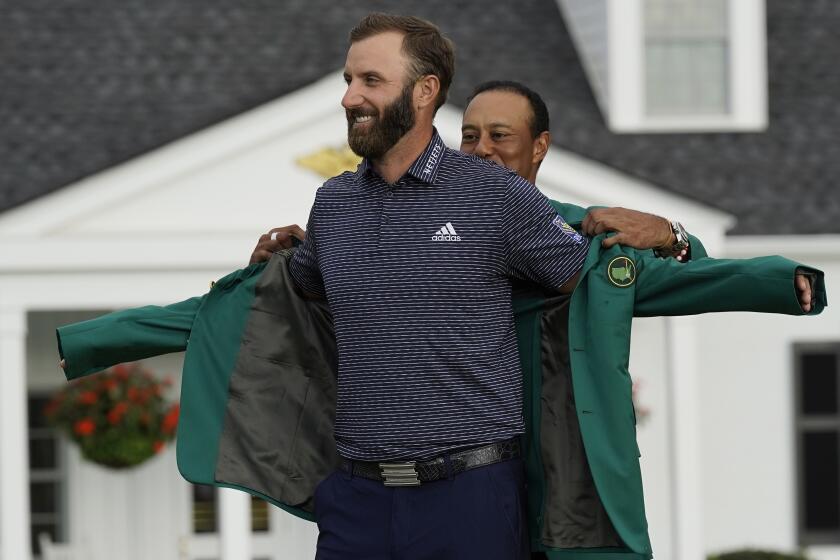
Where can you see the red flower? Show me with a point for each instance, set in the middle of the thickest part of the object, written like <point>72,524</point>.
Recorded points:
<point>144,396</point>
<point>134,394</point>
<point>84,427</point>
<point>120,371</point>
<point>88,397</point>
<point>170,421</point>
<point>157,446</point>
<point>116,413</point>
<point>109,383</point>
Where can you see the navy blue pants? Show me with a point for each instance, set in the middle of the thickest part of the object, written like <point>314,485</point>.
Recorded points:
<point>477,514</point>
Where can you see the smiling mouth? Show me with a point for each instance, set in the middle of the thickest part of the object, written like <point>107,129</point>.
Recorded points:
<point>360,117</point>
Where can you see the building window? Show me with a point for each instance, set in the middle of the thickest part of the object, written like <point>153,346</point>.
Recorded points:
<point>205,507</point>
<point>686,54</point>
<point>817,371</point>
<point>205,511</point>
<point>259,515</point>
<point>47,477</point>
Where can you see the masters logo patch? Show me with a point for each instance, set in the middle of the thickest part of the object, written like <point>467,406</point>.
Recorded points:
<point>621,271</point>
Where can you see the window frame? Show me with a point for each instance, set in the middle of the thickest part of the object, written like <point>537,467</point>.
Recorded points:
<point>58,475</point>
<point>802,424</point>
<point>624,101</point>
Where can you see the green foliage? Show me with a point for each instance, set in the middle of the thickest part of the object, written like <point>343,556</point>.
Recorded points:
<point>118,417</point>
<point>757,555</point>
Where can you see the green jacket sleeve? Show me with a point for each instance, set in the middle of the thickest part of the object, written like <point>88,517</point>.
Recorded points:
<point>575,214</point>
<point>123,336</point>
<point>698,251</point>
<point>706,285</point>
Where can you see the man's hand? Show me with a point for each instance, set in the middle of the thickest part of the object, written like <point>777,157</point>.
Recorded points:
<point>802,283</point>
<point>274,240</point>
<point>635,229</point>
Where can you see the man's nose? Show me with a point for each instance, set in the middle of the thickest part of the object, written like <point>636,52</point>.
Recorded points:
<point>351,97</point>
<point>484,148</point>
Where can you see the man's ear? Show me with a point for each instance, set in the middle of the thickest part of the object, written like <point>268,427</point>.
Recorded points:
<point>541,144</point>
<point>426,91</point>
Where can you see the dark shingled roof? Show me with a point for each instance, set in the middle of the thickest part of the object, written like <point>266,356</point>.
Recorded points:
<point>85,85</point>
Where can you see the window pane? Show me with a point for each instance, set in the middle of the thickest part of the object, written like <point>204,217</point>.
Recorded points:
<point>686,78</point>
<point>204,509</point>
<point>36,412</point>
<point>42,453</point>
<point>819,383</point>
<point>821,480</point>
<point>259,515</point>
<point>44,497</point>
<point>685,18</point>
<point>686,57</point>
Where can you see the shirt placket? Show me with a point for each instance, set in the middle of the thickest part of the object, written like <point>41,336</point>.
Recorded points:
<point>386,216</point>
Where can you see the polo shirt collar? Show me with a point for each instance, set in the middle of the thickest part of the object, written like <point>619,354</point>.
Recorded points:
<point>427,165</point>
<point>424,168</point>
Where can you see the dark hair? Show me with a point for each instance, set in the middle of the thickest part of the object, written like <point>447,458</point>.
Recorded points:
<point>539,116</point>
<point>430,52</point>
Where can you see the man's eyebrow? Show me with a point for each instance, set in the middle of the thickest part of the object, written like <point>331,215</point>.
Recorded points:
<point>495,125</point>
<point>371,73</point>
<point>364,74</point>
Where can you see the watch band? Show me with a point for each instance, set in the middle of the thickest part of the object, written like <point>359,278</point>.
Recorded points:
<point>680,243</point>
<point>681,235</point>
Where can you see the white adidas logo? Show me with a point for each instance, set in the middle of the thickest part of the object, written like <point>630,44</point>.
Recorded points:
<point>446,233</point>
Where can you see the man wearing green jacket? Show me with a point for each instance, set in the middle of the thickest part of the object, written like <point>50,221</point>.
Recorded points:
<point>584,487</point>
<point>508,123</point>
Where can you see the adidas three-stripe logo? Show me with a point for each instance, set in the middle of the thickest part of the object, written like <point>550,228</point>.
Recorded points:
<point>446,233</point>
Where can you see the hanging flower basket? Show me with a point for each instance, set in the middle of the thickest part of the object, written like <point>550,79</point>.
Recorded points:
<point>118,417</point>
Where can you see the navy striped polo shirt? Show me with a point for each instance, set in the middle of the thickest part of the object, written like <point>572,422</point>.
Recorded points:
<point>417,276</point>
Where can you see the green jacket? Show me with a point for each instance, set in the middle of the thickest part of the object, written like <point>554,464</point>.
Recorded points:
<point>258,387</point>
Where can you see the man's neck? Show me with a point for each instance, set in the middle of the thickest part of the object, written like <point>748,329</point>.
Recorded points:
<point>396,161</point>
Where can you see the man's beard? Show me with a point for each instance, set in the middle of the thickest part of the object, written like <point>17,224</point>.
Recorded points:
<point>387,128</point>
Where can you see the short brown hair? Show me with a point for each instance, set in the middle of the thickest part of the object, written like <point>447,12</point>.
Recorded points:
<point>430,52</point>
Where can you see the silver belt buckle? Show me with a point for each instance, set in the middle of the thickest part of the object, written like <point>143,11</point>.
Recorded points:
<point>399,474</point>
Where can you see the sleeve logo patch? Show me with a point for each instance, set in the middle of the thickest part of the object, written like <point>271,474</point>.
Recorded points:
<point>621,271</point>
<point>567,229</point>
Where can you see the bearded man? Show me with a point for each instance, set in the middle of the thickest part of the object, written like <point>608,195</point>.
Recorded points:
<point>428,370</point>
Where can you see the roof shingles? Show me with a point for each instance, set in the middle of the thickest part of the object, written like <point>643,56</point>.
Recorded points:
<point>87,85</point>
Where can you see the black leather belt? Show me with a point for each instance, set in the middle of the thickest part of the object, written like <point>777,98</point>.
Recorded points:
<point>412,473</point>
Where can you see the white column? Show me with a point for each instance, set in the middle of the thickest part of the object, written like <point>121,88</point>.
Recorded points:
<point>684,441</point>
<point>14,466</point>
<point>234,524</point>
